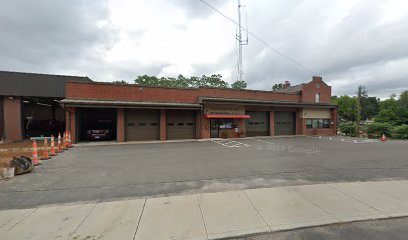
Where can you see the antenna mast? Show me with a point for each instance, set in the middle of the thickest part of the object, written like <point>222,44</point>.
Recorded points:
<point>241,42</point>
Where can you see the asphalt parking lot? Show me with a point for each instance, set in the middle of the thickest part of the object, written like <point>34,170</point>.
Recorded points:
<point>105,173</point>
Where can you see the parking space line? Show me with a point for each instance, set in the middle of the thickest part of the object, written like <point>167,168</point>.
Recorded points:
<point>345,139</point>
<point>261,141</point>
<point>230,143</point>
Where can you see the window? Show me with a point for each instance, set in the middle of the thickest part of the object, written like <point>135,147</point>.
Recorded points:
<point>317,85</point>
<point>131,124</point>
<point>326,123</point>
<point>170,124</point>
<point>190,124</point>
<point>309,123</point>
<point>180,124</point>
<point>251,123</point>
<point>314,123</point>
<point>142,124</point>
<point>317,123</point>
<point>317,98</point>
<point>154,124</point>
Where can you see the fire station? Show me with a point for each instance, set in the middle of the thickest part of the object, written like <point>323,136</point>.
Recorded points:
<point>126,112</point>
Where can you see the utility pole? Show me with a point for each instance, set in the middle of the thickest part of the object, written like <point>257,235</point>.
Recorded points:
<point>241,42</point>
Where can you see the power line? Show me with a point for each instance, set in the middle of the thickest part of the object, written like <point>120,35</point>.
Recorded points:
<point>258,38</point>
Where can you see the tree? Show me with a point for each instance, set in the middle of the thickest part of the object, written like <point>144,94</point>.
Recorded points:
<point>403,99</point>
<point>369,107</point>
<point>239,85</point>
<point>214,80</point>
<point>120,82</point>
<point>346,107</point>
<point>390,112</point>
<point>277,86</point>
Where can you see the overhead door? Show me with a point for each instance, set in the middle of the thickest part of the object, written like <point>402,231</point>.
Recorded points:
<point>258,124</point>
<point>285,123</point>
<point>180,124</point>
<point>142,125</point>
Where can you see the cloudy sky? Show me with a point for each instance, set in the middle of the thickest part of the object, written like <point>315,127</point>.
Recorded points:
<point>348,42</point>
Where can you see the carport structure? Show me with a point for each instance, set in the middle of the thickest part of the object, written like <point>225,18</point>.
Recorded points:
<point>158,113</point>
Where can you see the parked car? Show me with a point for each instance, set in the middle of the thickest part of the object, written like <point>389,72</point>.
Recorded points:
<point>99,134</point>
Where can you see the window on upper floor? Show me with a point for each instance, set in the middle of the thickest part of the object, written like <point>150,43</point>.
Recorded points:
<point>317,85</point>
<point>317,97</point>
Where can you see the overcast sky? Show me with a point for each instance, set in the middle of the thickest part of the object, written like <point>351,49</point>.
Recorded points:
<point>348,42</point>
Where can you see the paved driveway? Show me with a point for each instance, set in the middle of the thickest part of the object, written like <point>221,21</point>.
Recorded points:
<point>104,173</point>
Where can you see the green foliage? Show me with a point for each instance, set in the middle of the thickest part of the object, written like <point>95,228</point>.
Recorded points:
<point>403,99</point>
<point>348,128</point>
<point>369,107</point>
<point>239,85</point>
<point>390,112</point>
<point>377,129</point>
<point>120,82</point>
<point>277,86</point>
<point>347,107</point>
<point>214,80</point>
<point>400,132</point>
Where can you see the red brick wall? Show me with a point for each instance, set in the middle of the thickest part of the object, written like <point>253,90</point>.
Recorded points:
<point>13,129</point>
<point>310,89</point>
<point>205,127</point>
<point>272,123</point>
<point>136,93</point>
<point>120,131</point>
<point>163,125</point>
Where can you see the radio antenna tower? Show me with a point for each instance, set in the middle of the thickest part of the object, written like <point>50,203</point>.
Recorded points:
<point>241,41</point>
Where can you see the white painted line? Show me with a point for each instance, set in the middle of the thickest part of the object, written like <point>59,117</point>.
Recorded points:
<point>261,141</point>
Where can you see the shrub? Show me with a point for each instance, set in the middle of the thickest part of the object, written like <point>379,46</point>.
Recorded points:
<point>348,128</point>
<point>377,129</point>
<point>400,132</point>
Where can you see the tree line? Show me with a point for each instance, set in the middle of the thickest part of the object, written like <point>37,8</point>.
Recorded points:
<point>372,117</point>
<point>215,80</point>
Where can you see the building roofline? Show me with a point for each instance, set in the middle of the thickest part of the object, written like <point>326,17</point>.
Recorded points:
<point>48,74</point>
<point>178,88</point>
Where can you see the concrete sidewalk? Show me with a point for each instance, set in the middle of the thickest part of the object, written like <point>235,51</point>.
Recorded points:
<point>211,215</point>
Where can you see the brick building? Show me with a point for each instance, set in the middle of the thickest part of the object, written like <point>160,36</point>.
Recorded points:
<point>29,104</point>
<point>132,113</point>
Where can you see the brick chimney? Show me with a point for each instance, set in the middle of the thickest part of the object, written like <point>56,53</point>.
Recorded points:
<point>286,85</point>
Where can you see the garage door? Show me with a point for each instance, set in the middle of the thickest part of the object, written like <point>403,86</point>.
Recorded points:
<point>180,124</point>
<point>285,123</point>
<point>142,125</point>
<point>258,124</point>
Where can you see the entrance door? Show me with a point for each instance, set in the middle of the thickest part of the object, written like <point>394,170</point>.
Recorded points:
<point>215,125</point>
<point>285,123</point>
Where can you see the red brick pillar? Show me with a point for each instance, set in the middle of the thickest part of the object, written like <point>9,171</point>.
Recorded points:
<point>163,126</point>
<point>333,119</point>
<point>299,123</point>
<point>13,130</point>
<point>205,127</point>
<point>272,123</point>
<point>120,130</point>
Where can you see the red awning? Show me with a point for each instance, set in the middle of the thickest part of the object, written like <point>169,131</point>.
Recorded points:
<point>225,116</point>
